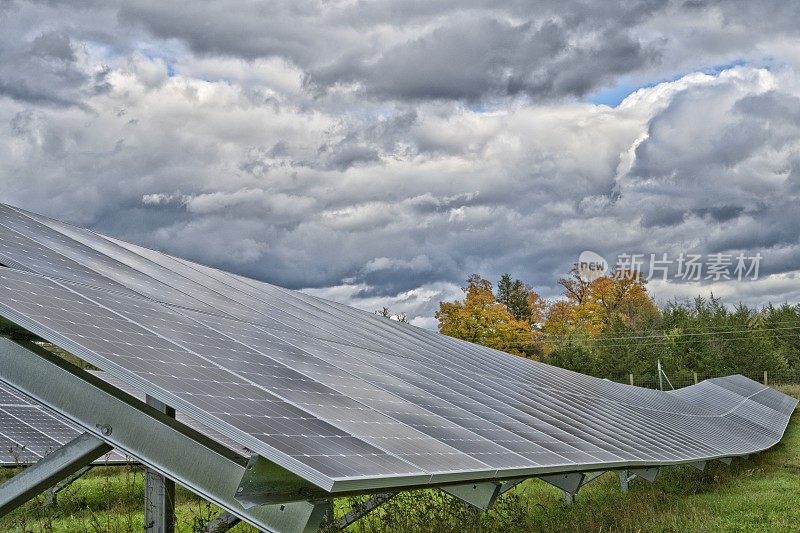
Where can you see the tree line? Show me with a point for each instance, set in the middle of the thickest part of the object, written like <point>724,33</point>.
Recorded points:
<point>611,326</point>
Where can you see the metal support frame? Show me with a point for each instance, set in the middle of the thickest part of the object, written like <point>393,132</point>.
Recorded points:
<point>49,470</point>
<point>159,442</point>
<point>648,474</point>
<point>159,491</point>
<point>569,482</point>
<point>360,511</point>
<point>698,465</point>
<point>726,460</point>
<point>265,483</point>
<point>478,495</point>
<point>624,480</point>
<point>626,476</point>
<point>510,484</point>
<point>220,524</point>
<point>50,495</point>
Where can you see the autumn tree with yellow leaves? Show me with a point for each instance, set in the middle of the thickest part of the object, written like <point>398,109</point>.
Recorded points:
<point>605,306</point>
<point>517,320</point>
<point>481,319</point>
<point>593,306</point>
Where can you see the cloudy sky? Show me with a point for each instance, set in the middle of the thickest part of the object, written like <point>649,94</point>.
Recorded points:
<point>378,152</point>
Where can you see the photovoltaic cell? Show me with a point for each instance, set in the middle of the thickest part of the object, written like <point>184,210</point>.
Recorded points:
<point>338,394</point>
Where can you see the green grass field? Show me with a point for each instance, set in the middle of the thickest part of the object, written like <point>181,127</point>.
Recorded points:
<point>756,495</point>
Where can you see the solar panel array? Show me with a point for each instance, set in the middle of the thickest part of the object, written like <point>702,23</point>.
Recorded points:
<point>341,396</point>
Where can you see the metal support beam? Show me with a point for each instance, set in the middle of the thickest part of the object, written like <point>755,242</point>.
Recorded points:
<point>588,478</point>
<point>698,465</point>
<point>626,476</point>
<point>569,482</point>
<point>510,484</point>
<point>49,470</point>
<point>159,491</point>
<point>265,483</point>
<point>51,493</point>
<point>645,473</point>
<point>479,495</point>
<point>220,524</point>
<point>726,460</point>
<point>159,442</point>
<point>360,511</point>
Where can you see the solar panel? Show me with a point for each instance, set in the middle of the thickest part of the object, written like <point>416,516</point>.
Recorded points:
<point>336,394</point>
<point>24,445</point>
<point>29,431</point>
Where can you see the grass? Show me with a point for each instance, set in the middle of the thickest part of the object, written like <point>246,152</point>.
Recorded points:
<point>756,495</point>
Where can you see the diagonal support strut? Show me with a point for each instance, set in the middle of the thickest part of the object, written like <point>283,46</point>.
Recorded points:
<point>220,524</point>
<point>360,511</point>
<point>49,470</point>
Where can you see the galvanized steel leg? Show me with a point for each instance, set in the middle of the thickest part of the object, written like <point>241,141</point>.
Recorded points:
<point>159,492</point>
<point>49,470</point>
<point>624,479</point>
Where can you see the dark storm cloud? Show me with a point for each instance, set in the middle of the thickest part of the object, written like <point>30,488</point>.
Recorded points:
<point>450,50</point>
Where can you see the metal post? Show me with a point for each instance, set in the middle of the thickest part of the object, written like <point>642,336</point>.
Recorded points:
<point>660,379</point>
<point>765,378</point>
<point>159,492</point>
<point>631,378</point>
<point>623,480</point>
<point>695,377</point>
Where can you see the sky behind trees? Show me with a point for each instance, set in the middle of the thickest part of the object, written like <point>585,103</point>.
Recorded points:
<point>378,152</point>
